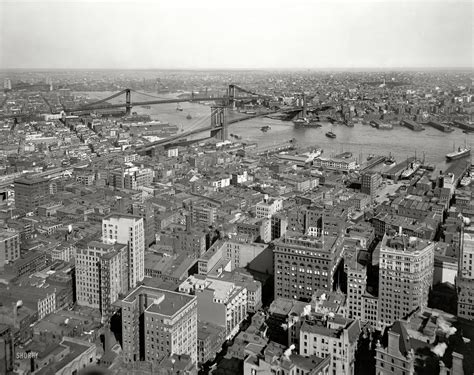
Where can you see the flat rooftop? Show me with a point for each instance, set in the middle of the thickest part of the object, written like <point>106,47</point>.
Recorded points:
<point>165,302</point>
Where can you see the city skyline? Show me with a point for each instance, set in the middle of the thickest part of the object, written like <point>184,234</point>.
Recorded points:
<point>368,35</point>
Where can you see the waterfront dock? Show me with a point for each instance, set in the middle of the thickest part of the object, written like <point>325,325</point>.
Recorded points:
<point>376,160</point>
<point>394,172</point>
<point>440,126</point>
<point>412,125</point>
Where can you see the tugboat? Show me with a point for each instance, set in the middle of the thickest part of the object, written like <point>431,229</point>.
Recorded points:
<point>330,134</point>
<point>189,117</point>
<point>390,160</point>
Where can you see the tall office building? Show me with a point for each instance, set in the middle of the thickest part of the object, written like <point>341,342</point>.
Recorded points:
<point>304,264</point>
<point>30,193</point>
<point>361,304</point>
<point>128,230</point>
<point>101,275</point>
<point>7,349</point>
<point>406,275</point>
<point>7,84</point>
<point>220,302</point>
<point>465,279</point>
<point>157,323</point>
<point>9,246</point>
<point>370,182</point>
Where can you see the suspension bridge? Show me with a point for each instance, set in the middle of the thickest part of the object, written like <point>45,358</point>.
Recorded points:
<point>217,122</point>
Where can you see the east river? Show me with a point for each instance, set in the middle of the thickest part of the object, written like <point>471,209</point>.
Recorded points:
<point>361,140</point>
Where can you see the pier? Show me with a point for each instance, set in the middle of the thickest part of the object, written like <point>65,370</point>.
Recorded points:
<point>376,160</point>
<point>395,172</point>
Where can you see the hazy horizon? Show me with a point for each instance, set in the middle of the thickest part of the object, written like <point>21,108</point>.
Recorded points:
<point>258,35</point>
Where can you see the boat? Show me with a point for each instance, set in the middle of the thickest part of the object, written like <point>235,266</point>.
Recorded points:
<point>410,171</point>
<point>265,128</point>
<point>330,135</point>
<point>346,155</point>
<point>178,108</point>
<point>299,121</point>
<point>189,117</point>
<point>303,122</point>
<point>349,123</point>
<point>460,153</point>
<point>390,160</point>
<point>370,157</point>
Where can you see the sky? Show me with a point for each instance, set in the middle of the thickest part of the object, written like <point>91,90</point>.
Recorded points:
<point>239,34</point>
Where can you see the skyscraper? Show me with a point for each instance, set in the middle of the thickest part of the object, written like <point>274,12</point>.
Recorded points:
<point>406,275</point>
<point>31,193</point>
<point>465,279</point>
<point>128,230</point>
<point>370,181</point>
<point>157,323</point>
<point>101,275</point>
<point>304,264</point>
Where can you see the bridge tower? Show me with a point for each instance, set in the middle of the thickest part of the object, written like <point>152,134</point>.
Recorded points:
<point>219,123</point>
<point>304,104</point>
<point>231,96</point>
<point>128,102</point>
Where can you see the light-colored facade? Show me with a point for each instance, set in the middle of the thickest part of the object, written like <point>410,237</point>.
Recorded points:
<point>406,275</point>
<point>128,230</point>
<point>9,246</point>
<point>169,325</point>
<point>101,275</point>
<point>336,337</point>
<point>465,279</point>
<point>268,207</point>
<point>336,164</point>
<point>219,302</point>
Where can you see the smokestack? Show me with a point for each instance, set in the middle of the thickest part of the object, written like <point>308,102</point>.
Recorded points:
<point>15,314</point>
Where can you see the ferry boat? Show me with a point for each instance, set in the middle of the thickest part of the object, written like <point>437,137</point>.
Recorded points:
<point>306,123</point>
<point>460,153</point>
<point>265,128</point>
<point>330,135</point>
<point>299,122</point>
<point>189,117</point>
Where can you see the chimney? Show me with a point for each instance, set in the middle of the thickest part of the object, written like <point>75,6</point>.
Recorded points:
<point>15,315</point>
<point>457,364</point>
<point>393,342</point>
